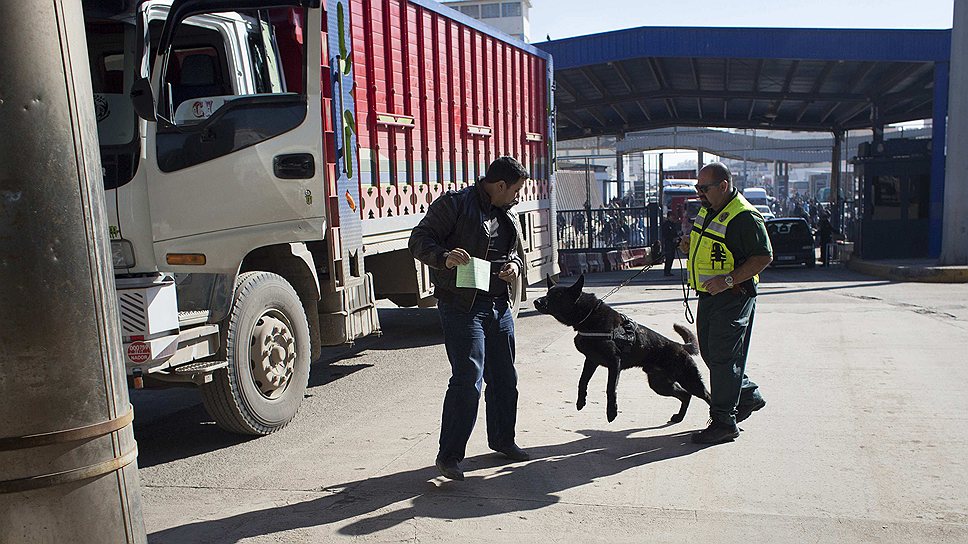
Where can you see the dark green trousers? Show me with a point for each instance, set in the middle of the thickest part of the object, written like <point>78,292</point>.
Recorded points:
<point>724,324</point>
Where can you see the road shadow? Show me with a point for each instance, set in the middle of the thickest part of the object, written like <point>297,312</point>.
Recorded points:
<point>406,328</point>
<point>179,435</point>
<point>515,488</point>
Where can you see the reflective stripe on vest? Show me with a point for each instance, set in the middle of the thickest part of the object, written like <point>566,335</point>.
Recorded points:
<point>709,256</point>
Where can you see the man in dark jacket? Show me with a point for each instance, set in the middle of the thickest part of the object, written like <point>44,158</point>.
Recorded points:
<point>670,238</point>
<point>825,235</point>
<point>478,327</point>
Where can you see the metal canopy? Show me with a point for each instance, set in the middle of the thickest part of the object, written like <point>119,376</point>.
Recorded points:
<point>756,148</point>
<point>784,79</point>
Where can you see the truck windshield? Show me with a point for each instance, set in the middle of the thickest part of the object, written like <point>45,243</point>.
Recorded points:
<point>109,46</point>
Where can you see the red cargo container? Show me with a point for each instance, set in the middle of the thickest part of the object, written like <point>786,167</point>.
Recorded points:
<point>436,96</point>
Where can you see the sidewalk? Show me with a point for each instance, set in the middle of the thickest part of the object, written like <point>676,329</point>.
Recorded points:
<point>918,270</point>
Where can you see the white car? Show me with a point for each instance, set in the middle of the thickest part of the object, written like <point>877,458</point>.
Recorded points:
<point>765,210</point>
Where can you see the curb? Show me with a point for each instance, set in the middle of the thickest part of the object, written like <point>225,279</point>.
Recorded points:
<point>923,274</point>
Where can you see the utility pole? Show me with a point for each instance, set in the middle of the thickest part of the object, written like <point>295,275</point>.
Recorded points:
<point>67,449</point>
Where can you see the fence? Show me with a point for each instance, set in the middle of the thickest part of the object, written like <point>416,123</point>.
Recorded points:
<point>608,228</point>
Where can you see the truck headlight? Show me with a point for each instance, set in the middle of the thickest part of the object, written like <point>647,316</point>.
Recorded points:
<point>122,254</point>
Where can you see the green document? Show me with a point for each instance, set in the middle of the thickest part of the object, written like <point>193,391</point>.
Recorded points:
<point>476,275</point>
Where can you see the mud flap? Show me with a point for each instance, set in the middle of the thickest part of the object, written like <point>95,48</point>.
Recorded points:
<point>348,314</point>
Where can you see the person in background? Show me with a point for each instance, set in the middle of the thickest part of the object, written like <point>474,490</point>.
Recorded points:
<point>476,221</point>
<point>729,248</point>
<point>670,236</point>
<point>825,235</point>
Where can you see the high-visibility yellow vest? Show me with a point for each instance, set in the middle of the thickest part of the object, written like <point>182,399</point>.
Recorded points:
<point>708,255</point>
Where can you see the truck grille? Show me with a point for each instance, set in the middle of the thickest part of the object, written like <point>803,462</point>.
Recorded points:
<point>132,306</point>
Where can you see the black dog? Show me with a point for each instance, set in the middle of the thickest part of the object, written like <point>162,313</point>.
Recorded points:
<point>610,339</point>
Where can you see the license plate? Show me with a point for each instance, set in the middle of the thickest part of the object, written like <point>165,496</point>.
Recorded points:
<point>787,258</point>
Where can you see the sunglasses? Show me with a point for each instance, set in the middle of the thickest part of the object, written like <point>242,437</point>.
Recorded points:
<point>704,188</point>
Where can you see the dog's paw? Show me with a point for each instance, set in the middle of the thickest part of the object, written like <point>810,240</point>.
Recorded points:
<point>580,404</point>
<point>676,418</point>
<point>612,413</point>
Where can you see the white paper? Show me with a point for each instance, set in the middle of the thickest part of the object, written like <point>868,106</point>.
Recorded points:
<point>476,275</point>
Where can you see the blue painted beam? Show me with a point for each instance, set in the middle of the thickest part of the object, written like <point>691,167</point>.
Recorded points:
<point>752,43</point>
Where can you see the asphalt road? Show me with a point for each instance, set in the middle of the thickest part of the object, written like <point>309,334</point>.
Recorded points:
<point>863,438</point>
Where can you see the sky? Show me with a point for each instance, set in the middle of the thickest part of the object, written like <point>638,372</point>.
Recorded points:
<point>567,18</point>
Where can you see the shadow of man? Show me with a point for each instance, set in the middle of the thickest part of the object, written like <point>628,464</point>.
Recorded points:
<point>514,488</point>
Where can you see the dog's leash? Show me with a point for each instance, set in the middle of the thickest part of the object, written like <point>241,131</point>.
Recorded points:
<point>685,288</point>
<point>610,293</point>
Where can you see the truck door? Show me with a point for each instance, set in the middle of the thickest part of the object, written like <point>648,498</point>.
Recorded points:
<point>237,147</point>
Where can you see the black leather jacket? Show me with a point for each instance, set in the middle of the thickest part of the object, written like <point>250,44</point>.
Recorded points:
<point>457,219</point>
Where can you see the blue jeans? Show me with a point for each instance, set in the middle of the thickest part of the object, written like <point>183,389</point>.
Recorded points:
<point>480,347</point>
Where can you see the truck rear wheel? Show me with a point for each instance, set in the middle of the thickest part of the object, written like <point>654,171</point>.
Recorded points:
<point>267,345</point>
<point>517,290</point>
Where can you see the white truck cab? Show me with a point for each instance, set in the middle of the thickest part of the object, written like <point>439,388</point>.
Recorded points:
<point>210,122</point>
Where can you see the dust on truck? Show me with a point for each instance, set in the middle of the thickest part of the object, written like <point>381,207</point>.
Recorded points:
<point>265,161</point>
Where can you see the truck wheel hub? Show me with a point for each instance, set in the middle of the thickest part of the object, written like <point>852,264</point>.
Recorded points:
<point>273,355</point>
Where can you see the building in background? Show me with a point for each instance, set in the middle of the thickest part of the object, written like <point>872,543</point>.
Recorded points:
<point>508,17</point>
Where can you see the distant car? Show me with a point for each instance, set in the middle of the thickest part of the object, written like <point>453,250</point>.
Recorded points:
<point>792,241</point>
<point>756,196</point>
<point>766,212</point>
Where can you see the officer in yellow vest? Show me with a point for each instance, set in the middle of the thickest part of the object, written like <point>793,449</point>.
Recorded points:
<point>727,248</point>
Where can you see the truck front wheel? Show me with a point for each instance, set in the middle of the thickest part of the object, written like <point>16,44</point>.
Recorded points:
<point>267,345</point>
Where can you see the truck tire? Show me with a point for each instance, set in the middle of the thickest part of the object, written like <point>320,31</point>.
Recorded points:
<point>259,391</point>
<point>517,290</point>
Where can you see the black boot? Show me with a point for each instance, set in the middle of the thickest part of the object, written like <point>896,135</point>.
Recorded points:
<point>450,469</point>
<point>716,433</point>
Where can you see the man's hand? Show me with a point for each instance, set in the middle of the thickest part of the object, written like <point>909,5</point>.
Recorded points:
<point>716,285</point>
<point>684,245</point>
<point>457,256</point>
<point>508,273</point>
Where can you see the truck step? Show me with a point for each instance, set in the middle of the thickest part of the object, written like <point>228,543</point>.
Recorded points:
<point>195,317</point>
<point>199,367</point>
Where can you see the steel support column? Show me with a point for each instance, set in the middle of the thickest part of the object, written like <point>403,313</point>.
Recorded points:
<point>619,168</point>
<point>952,238</point>
<point>835,155</point>
<point>67,449</point>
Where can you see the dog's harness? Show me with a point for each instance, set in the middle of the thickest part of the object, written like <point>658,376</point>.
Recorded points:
<point>624,335</point>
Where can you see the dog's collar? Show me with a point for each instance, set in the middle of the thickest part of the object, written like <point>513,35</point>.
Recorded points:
<point>596,334</point>
<point>599,303</point>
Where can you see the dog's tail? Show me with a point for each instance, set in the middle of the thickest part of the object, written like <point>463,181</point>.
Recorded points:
<point>691,342</point>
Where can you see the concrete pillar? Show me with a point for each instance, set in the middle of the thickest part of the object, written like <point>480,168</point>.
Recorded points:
<point>954,243</point>
<point>67,450</point>
<point>699,161</point>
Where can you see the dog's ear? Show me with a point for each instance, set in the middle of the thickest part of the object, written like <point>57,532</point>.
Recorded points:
<point>551,282</point>
<point>579,284</point>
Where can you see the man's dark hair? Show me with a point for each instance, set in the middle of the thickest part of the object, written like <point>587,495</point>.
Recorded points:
<point>506,169</point>
<point>719,172</point>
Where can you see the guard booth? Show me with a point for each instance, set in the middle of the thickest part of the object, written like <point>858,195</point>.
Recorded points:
<point>893,180</point>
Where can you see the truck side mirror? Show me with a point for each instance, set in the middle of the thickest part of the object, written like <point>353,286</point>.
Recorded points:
<point>142,99</point>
